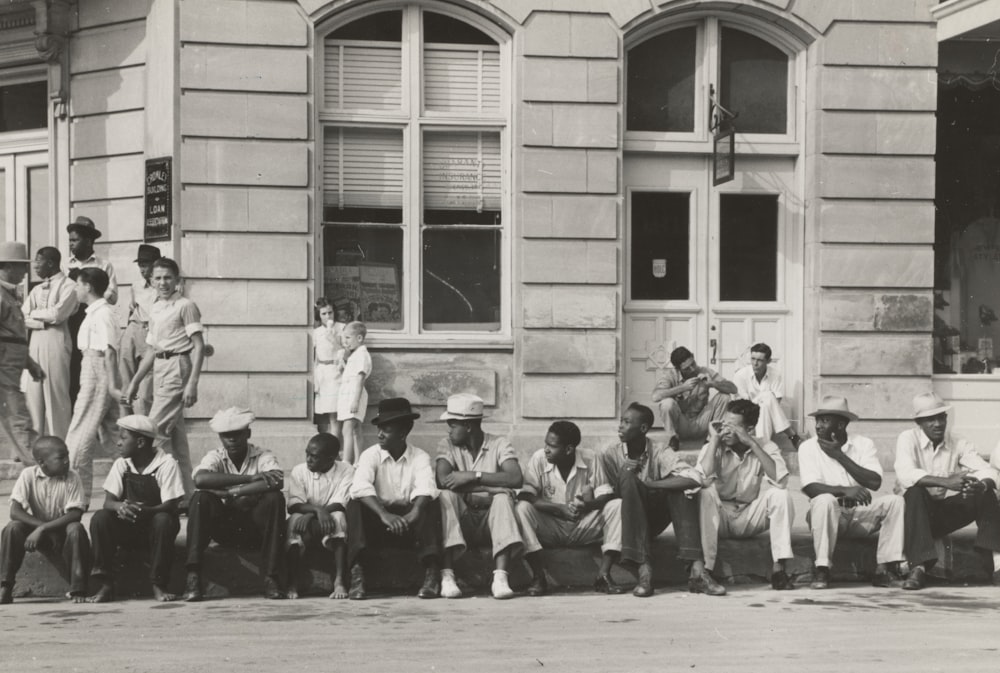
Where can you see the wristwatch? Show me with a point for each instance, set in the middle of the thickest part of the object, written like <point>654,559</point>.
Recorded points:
<point>479,477</point>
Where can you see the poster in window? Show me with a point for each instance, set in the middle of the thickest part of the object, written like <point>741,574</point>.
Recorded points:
<point>380,293</point>
<point>157,216</point>
<point>343,283</point>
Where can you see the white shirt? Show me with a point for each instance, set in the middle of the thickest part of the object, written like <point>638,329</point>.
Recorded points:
<point>749,388</point>
<point>359,362</point>
<point>111,294</point>
<point>163,467</point>
<point>257,461</point>
<point>320,488</point>
<point>99,330</point>
<point>394,482</point>
<point>815,467</point>
<point>544,480</point>
<point>739,479</point>
<point>51,303</point>
<point>172,322</point>
<point>916,458</point>
<point>48,498</point>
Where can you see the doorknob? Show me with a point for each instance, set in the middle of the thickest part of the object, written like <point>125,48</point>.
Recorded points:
<point>714,344</point>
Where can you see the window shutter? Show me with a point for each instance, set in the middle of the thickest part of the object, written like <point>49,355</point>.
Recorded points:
<point>461,171</point>
<point>362,75</point>
<point>462,79</point>
<point>363,168</point>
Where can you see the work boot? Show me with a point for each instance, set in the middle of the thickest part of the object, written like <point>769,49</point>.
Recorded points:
<point>272,589</point>
<point>605,585</point>
<point>705,584</point>
<point>644,587</point>
<point>432,585</point>
<point>780,581</point>
<point>192,587</point>
<point>539,585</point>
<point>357,590</point>
<point>916,579</point>
<point>821,578</point>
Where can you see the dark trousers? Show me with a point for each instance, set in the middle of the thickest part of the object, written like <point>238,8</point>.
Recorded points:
<point>260,525</point>
<point>157,533</point>
<point>646,513</point>
<point>71,542</point>
<point>366,532</point>
<point>927,519</point>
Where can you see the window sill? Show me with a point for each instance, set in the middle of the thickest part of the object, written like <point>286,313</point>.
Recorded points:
<point>399,342</point>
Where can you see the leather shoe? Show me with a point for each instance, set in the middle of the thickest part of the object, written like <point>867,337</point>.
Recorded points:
<point>705,584</point>
<point>644,588</point>
<point>357,592</point>
<point>821,578</point>
<point>539,586</point>
<point>432,584</point>
<point>884,578</point>
<point>272,590</point>
<point>780,580</point>
<point>605,585</point>
<point>916,579</point>
<point>192,588</point>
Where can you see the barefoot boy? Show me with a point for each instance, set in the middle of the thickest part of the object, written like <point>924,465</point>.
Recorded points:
<point>352,401</point>
<point>46,505</point>
<point>317,503</point>
<point>142,492</point>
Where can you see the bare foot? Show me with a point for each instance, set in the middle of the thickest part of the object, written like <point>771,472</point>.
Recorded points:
<point>6,595</point>
<point>105,594</point>
<point>292,593</point>
<point>78,598</point>
<point>163,596</point>
<point>339,590</point>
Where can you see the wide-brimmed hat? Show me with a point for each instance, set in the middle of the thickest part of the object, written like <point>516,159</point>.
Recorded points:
<point>12,251</point>
<point>147,253</point>
<point>85,227</point>
<point>144,425</point>
<point>835,405</point>
<point>928,404</point>
<point>463,407</point>
<point>231,420</point>
<point>394,409</point>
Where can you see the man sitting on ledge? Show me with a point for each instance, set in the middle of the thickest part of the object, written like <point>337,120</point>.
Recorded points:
<point>683,396</point>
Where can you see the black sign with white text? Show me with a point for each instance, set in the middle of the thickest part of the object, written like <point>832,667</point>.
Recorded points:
<point>157,214</point>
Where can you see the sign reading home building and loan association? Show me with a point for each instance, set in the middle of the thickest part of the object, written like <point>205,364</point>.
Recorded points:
<point>158,209</point>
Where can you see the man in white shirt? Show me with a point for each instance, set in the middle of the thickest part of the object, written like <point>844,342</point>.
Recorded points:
<point>839,472</point>
<point>948,486</point>
<point>761,383</point>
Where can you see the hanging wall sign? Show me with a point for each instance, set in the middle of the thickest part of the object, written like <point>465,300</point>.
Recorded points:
<point>724,156</point>
<point>158,211</point>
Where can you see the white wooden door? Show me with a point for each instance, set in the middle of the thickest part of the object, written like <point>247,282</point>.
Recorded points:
<point>715,269</point>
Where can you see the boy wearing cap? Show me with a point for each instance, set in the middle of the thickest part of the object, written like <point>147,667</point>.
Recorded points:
<point>393,501</point>
<point>761,383</point>
<point>137,329</point>
<point>947,485</point>
<point>15,419</point>
<point>318,490</point>
<point>477,474</point>
<point>839,472</point>
<point>238,503</point>
<point>46,505</point>
<point>47,310</point>
<point>141,494</point>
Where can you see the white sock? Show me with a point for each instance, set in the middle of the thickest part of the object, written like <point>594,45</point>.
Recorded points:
<point>497,574</point>
<point>448,572</point>
<point>996,561</point>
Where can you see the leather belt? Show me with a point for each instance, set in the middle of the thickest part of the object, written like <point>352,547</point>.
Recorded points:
<point>166,355</point>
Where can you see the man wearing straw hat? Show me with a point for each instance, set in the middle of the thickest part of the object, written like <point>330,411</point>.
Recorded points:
<point>948,486</point>
<point>839,473</point>
<point>15,421</point>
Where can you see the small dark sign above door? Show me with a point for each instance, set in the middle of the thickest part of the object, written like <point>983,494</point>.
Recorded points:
<point>724,156</point>
<point>158,211</point>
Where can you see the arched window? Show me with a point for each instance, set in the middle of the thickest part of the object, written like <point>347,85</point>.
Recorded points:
<point>671,74</point>
<point>414,124</point>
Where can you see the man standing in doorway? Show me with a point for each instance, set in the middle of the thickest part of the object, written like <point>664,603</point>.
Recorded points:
<point>683,395</point>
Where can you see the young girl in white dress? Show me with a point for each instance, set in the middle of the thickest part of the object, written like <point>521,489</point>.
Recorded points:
<point>328,366</point>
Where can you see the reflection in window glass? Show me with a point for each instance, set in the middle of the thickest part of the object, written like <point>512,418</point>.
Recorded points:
<point>23,106</point>
<point>753,81</point>
<point>660,250</point>
<point>365,265</point>
<point>660,87</point>
<point>461,287</point>
<point>748,247</point>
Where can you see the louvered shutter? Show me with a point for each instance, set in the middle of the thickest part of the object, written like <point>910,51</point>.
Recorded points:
<point>462,79</point>
<point>363,168</point>
<point>362,75</point>
<point>461,170</point>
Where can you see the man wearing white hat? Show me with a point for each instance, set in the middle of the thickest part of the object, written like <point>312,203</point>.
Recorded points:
<point>238,503</point>
<point>839,472</point>
<point>15,421</point>
<point>477,474</point>
<point>142,492</point>
<point>948,486</point>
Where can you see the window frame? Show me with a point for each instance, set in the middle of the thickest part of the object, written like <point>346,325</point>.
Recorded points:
<point>413,120</point>
<point>707,61</point>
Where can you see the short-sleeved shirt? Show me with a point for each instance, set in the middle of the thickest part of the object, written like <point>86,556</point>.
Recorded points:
<point>543,480</point>
<point>815,467</point>
<point>257,461</point>
<point>143,297</point>
<point>163,467</point>
<point>738,479</point>
<point>656,462</point>
<point>495,452</point>
<point>917,457</point>
<point>48,498</point>
<point>394,482</point>
<point>172,322</point>
<point>332,487</point>
<point>99,329</point>
<point>749,388</point>
<point>358,363</point>
<point>692,402</point>
<point>95,262</point>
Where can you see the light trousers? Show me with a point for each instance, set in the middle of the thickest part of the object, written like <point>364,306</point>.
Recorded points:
<point>772,418</point>
<point>496,523</point>
<point>772,510</point>
<point>92,404</point>
<point>539,529</point>
<point>828,519</point>
<point>170,376</point>
<point>677,424</point>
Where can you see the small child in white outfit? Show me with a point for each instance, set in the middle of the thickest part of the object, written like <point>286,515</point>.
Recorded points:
<point>352,402</point>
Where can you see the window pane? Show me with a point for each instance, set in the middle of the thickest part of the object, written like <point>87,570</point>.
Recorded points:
<point>660,251</point>
<point>363,64</point>
<point>38,210</point>
<point>461,289</point>
<point>365,265</point>
<point>441,28</point>
<point>462,177</point>
<point>660,87</point>
<point>753,81</point>
<point>362,175</point>
<point>461,67</point>
<point>748,247</point>
<point>23,106</point>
